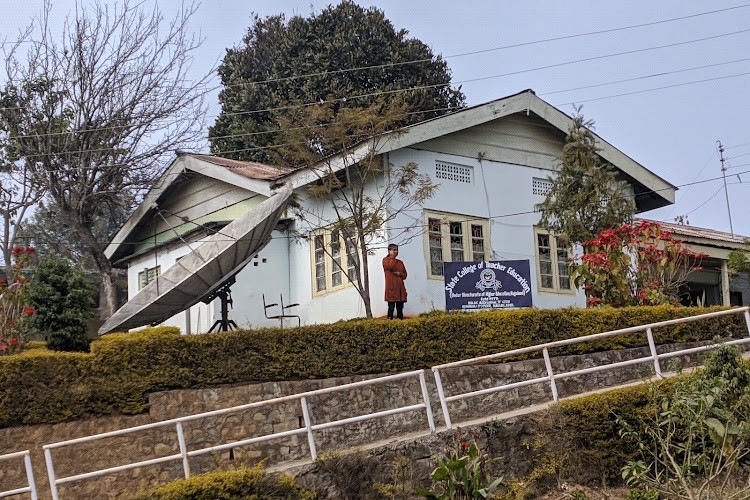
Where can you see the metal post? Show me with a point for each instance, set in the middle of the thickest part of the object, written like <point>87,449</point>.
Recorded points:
<point>426,397</point>
<point>652,346</point>
<point>441,396</point>
<point>550,374</point>
<point>308,426</point>
<point>51,474</point>
<point>183,450</point>
<point>30,476</point>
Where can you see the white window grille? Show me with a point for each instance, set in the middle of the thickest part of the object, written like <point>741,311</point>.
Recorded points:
<point>540,187</point>
<point>453,172</point>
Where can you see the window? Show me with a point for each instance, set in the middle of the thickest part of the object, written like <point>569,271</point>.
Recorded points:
<point>147,276</point>
<point>552,254</point>
<point>333,259</point>
<point>454,238</point>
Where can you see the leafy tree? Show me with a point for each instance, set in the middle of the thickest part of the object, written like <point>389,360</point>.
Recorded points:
<point>586,196</point>
<point>63,303</point>
<point>739,261</point>
<point>283,64</point>
<point>94,115</point>
<point>356,194</point>
<point>634,264</point>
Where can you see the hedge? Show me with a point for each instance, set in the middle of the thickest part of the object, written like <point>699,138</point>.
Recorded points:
<point>122,369</point>
<point>244,483</point>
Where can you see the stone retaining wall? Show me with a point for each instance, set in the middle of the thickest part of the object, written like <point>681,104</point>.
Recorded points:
<point>216,430</point>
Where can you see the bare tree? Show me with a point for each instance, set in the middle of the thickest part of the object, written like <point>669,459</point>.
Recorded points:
<point>98,109</point>
<point>18,193</point>
<point>357,192</point>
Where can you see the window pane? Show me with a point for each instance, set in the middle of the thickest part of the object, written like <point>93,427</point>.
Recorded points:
<point>436,268</point>
<point>320,263</point>
<point>336,275</point>
<point>546,277</point>
<point>477,242</point>
<point>562,264</point>
<point>457,242</point>
<point>351,255</point>
<point>435,242</point>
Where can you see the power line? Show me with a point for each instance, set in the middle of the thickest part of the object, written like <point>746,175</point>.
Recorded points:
<point>434,110</point>
<point>494,217</point>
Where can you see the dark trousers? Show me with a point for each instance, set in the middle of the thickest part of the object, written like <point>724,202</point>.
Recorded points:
<point>399,309</point>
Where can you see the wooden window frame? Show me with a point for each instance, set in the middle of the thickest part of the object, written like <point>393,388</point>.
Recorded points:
<point>147,276</point>
<point>329,254</point>
<point>555,264</point>
<point>447,223</point>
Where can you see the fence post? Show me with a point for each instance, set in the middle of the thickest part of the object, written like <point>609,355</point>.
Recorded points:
<point>652,346</point>
<point>51,474</point>
<point>30,475</point>
<point>183,450</point>
<point>308,426</point>
<point>441,396</point>
<point>747,320</point>
<point>426,397</point>
<point>550,374</point>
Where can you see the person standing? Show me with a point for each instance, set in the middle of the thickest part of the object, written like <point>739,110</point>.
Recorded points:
<point>395,274</point>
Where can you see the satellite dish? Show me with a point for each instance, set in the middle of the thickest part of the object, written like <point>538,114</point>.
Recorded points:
<point>203,271</point>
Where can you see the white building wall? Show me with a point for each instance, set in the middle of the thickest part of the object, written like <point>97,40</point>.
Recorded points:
<point>500,192</point>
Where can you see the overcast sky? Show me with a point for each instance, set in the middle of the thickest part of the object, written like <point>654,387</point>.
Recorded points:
<point>664,107</point>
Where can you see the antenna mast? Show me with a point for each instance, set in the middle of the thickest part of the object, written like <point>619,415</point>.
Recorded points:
<point>726,193</point>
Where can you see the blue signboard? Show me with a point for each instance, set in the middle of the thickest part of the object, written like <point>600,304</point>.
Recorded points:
<point>487,285</point>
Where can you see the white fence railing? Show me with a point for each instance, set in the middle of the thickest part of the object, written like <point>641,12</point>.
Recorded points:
<point>550,377</point>
<point>309,427</point>
<point>31,488</point>
<point>185,454</point>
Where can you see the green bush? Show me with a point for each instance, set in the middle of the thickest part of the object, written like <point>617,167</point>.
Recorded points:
<point>123,369</point>
<point>244,483</point>
<point>63,303</point>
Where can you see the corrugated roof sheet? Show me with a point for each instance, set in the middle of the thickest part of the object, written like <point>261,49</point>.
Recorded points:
<point>701,232</point>
<point>249,169</point>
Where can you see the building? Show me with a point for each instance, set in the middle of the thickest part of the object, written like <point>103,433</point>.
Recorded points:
<point>713,284</point>
<point>492,162</point>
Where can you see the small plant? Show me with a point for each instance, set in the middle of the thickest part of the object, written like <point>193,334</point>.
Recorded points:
<point>461,473</point>
<point>401,484</point>
<point>694,445</point>
<point>643,495</point>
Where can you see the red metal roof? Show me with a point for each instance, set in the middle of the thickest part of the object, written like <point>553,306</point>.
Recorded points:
<point>249,169</point>
<point>701,232</point>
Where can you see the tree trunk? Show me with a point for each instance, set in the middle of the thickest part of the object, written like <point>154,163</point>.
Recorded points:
<point>365,292</point>
<point>107,290</point>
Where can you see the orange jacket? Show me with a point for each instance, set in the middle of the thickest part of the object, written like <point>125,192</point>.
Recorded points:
<point>395,291</point>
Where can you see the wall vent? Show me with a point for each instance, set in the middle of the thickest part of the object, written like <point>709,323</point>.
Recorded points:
<point>453,172</point>
<point>540,187</point>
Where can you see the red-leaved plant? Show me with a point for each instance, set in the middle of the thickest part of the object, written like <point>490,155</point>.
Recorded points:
<point>634,264</point>
<point>14,310</point>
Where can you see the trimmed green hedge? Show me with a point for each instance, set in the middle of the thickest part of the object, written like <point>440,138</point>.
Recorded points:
<point>244,483</point>
<point>122,369</point>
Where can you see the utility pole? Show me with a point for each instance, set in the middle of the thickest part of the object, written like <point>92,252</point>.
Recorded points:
<point>726,193</point>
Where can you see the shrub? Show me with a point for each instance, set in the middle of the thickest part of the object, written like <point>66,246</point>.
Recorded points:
<point>123,369</point>
<point>244,483</point>
<point>63,303</point>
<point>694,446</point>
